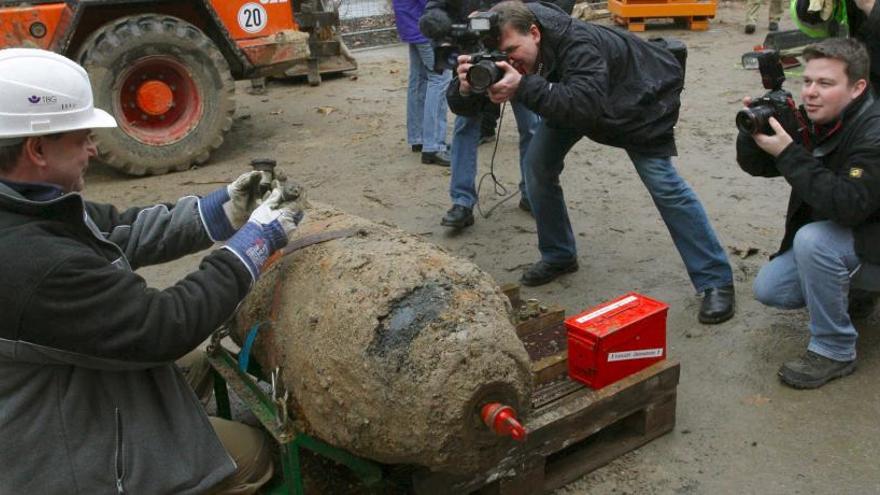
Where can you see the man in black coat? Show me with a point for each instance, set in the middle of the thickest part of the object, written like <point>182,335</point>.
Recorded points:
<point>832,229</point>
<point>616,89</point>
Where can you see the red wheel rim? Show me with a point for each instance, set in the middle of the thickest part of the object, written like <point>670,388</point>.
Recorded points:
<point>159,101</point>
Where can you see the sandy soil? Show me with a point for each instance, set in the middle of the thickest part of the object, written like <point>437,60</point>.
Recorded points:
<point>739,430</point>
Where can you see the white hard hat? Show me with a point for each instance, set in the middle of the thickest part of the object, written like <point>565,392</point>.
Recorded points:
<point>42,92</point>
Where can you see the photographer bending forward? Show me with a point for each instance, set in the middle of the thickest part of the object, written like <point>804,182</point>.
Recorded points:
<point>832,226</point>
<point>614,88</point>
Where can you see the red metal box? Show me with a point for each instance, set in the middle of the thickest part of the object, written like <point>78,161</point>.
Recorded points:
<point>616,339</point>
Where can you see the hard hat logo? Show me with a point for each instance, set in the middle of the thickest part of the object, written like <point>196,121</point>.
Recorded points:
<point>42,92</point>
<point>47,100</point>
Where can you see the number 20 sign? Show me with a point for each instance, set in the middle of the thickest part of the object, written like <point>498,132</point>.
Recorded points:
<point>252,17</point>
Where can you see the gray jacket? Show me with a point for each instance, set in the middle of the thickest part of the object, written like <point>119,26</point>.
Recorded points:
<point>90,400</point>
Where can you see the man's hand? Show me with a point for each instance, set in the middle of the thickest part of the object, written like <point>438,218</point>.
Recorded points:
<point>461,70</point>
<point>271,210</point>
<point>242,198</point>
<point>504,89</point>
<point>776,143</point>
<point>267,230</point>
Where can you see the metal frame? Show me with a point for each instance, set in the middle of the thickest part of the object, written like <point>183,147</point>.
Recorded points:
<point>272,413</point>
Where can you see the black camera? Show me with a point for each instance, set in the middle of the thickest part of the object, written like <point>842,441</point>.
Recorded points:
<point>776,103</point>
<point>483,72</point>
<point>479,35</point>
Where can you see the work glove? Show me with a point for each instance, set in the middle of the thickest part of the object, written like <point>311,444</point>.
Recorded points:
<point>225,210</point>
<point>267,230</point>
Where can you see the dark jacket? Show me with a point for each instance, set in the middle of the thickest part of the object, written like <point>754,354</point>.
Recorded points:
<point>90,398</point>
<point>608,84</point>
<point>866,28</point>
<point>839,180</point>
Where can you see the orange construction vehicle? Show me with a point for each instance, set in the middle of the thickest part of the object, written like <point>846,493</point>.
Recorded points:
<point>166,69</point>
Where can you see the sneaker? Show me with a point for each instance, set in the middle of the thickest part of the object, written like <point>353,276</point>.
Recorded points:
<point>812,370</point>
<point>750,28</point>
<point>417,148</point>
<point>524,205</point>
<point>487,138</point>
<point>542,272</point>
<point>458,217</point>
<point>436,158</point>
<point>774,26</point>
<point>861,304</point>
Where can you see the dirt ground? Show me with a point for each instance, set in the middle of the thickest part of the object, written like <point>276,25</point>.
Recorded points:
<point>738,429</point>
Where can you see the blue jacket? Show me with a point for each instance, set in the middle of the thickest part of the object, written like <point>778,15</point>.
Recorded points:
<point>407,13</point>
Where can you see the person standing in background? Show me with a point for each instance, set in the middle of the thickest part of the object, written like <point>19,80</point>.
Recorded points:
<point>426,94</point>
<point>752,15</point>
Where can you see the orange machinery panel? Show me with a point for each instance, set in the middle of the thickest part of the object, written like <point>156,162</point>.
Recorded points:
<point>659,8</point>
<point>34,26</point>
<point>248,19</point>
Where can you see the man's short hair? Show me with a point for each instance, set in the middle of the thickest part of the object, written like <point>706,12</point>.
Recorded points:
<point>848,50</point>
<point>9,155</point>
<point>515,14</point>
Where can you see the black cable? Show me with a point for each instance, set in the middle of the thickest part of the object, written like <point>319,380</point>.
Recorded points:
<point>500,190</point>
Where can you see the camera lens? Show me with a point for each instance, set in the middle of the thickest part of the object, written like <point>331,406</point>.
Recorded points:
<point>754,119</point>
<point>482,75</point>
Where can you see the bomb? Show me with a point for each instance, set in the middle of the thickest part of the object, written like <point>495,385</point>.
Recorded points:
<point>389,346</point>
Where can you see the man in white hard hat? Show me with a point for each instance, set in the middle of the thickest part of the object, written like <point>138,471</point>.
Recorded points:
<point>90,398</point>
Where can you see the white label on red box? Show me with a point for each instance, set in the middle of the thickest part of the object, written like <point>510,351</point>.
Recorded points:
<point>610,307</point>
<point>630,355</point>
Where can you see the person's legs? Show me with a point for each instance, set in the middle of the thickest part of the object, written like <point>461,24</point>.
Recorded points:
<point>544,160</point>
<point>251,451</point>
<point>526,124</point>
<point>778,283</point>
<point>415,96</point>
<point>691,232</point>
<point>775,11</point>
<point>465,139</point>
<point>434,115</point>
<point>752,8</point>
<point>825,257</point>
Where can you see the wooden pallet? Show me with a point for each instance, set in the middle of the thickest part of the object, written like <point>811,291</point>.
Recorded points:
<point>572,430</point>
<point>633,14</point>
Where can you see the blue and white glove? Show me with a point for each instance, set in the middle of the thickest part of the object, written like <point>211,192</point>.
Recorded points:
<point>266,231</point>
<point>225,210</point>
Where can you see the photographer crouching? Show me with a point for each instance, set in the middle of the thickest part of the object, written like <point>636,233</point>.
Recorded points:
<point>832,228</point>
<point>616,89</point>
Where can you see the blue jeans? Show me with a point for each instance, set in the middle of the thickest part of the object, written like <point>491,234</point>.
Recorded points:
<point>466,139</point>
<point>426,100</point>
<point>693,236</point>
<point>816,272</point>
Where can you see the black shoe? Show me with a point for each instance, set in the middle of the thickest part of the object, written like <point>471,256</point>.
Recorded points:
<point>417,148</point>
<point>774,26</point>
<point>750,28</point>
<point>718,305</point>
<point>812,370</point>
<point>861,304</point>
<point>436,158</point>
<point>487,138</point>
<point>524,205</point>
<point>542,272</point>
<point>458,217</point>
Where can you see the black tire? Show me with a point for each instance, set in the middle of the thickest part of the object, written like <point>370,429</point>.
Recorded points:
<point>140,42</point>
